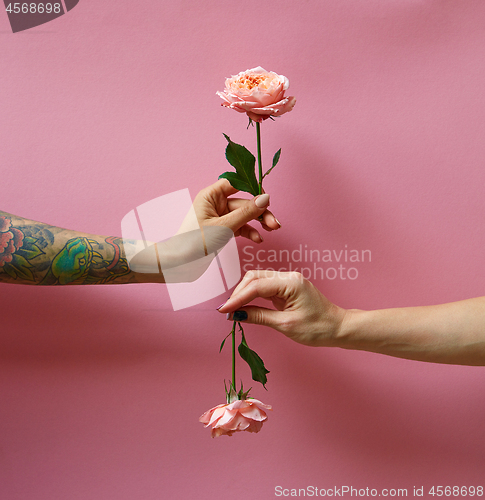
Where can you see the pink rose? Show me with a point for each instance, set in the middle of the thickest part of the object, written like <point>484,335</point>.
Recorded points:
<point>258,93</point>
<point>241,415</point>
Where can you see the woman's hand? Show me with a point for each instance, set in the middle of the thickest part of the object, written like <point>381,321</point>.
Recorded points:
<point>181,258</point>
<point>302,313</point>
<point>214,207</point>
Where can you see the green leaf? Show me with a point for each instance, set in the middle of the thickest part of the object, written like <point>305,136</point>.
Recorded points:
<point>237,182</point>
<point>19,261</point>
<point>258,370</point>
<point>231,394</point>
<point>28,241</point>
<point>8,269</point>
<point>223,342</point>
<point>24,273</point>
<point>276,159</point>
<point>21,267</point>
<point>244,162</point>
<point>30,253</point>
<point>241,394</point>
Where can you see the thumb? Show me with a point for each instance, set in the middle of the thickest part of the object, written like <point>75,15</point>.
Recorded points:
<point>247,212</point>
<point>257,316</point>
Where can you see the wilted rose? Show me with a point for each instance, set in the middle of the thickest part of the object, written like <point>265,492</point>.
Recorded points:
<point>11,239</point>
<point>241,415</point>
<point>258,93</point>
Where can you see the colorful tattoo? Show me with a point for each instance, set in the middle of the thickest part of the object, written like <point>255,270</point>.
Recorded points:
<point>79,264</point>
<point>29,253</point>
<point>16,250</point>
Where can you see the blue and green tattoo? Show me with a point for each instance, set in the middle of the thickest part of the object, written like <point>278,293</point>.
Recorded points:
<point>39,254</point>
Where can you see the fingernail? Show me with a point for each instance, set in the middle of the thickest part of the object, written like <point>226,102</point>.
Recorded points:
<point>240,316</point>
<point>262,200</point>
<point>228,316</point>
<point>277,221</point>
<point>217,308</point>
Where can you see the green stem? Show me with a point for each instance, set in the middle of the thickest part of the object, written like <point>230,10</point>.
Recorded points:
<point>260,163</point>
<point>233,335</point>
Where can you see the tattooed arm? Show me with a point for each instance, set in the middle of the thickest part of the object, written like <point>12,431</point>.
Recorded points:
<point>34,253</point>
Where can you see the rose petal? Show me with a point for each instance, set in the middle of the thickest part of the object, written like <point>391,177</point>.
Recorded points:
<point>227,419</point>
<point>287,104</point>
<point>258,403</point>
<point>276,109</point>
<point>239,403</point>
<point>256,118</point>
<point>255,426</point>
<point>254,413</point>
<point>224,96</point>
<point>237,423</point>
<point>216,415</point>
<point>259,70</point>
<point>237,108</point>
<point>267,111</point>
<point>206,417</point>
<point>220,432</point>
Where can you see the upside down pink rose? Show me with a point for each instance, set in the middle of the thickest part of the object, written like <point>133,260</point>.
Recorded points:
<point>258,93</point>
<point>240,415</point>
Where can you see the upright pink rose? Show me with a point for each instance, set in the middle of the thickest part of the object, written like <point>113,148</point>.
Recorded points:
<point>258,93</point>
<point>241,415</point>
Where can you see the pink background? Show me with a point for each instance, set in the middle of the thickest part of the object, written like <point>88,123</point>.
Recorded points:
<point>114,104</point>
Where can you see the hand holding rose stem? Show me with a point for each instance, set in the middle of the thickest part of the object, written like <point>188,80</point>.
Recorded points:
<point>452,333</point>
<point>35,253</point>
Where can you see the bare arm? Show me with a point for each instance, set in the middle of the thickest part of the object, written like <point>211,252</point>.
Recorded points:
<point>451,333</point>
<point>447,333</point>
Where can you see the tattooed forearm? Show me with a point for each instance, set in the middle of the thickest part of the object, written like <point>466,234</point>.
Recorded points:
<point>39,254</point>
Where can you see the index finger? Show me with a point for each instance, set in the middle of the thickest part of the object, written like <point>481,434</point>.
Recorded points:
<point>224,186</point>
<point>259,287</point>
<point>250,276</point>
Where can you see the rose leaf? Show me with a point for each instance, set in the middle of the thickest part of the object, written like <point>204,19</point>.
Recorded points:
<point>276,159</point>
<point>244,162</point>
<point>224,341</point>
<point>258,370</point>
<point>236,181</point>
